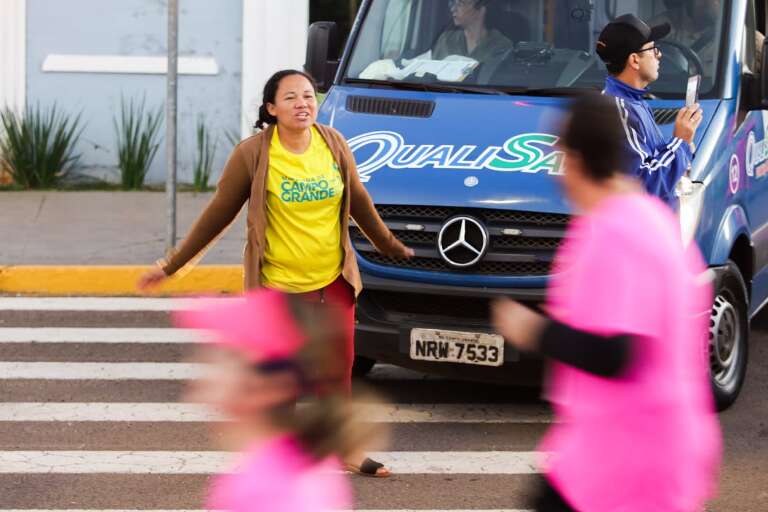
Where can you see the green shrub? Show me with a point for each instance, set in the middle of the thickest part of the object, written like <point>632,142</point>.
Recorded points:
<point>232,136</point>
<point>38,146</point>
<point>206,151</point>
<point>137,132</point>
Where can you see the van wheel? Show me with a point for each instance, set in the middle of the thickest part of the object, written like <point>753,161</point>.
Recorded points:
<point>728,337</point>
<point>362,366</point>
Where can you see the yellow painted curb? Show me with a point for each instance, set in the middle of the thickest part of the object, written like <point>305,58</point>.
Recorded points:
<point>115,280</point>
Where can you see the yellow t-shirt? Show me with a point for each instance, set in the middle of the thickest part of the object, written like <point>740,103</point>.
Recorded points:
<point>303,238</point>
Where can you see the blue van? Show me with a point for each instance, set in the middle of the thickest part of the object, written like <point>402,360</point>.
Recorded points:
<point>457,149</point>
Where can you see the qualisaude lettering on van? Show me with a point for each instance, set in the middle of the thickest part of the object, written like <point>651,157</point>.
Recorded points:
<point>756,156</point>
<point>527,153</point>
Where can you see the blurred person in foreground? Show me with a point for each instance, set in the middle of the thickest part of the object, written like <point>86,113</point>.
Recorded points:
<point>268,350</point>
<point>636,429</point>
<point>300,185</point>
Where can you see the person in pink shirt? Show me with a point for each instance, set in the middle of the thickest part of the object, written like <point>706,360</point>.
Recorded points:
<point>268,350</point>
<point>625,329</point>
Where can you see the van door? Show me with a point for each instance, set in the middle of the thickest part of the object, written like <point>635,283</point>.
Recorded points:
<point>741,180</point>
<point>748,171</point>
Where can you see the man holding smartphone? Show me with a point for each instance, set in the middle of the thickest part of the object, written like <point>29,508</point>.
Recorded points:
<point>627,46</point>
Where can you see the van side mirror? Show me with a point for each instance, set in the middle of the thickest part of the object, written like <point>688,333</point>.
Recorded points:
<point>323,49</point>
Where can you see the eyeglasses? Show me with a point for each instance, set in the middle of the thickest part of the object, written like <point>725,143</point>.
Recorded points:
<point>463,3</point>
<point>656,51</point>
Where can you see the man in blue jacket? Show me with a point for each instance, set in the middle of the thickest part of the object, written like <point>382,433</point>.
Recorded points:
<point>627,46</point>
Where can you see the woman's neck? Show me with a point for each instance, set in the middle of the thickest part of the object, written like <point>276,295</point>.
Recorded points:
<point>474,33</point>
<point>295,141</point>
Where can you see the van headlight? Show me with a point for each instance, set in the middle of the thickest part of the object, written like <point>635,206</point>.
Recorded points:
<point>691,194</point>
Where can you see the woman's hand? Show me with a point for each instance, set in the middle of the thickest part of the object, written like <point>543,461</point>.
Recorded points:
<point>403,252</point>
<point>519,325</point>
<point>151,279</point>
<point>399,251</point>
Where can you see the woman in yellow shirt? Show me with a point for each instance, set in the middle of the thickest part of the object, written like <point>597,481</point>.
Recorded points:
<point>301,184</point>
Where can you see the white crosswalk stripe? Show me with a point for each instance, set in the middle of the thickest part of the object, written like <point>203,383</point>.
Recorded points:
<point>132,304</point>
<point>99,335</point>
<point>201,510</point>
<point>87,460</point>
<point>176,412</point>
<point>194,463</point>
<point>101,371</point>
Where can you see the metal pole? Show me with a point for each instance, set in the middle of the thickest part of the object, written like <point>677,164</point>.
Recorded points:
<point>170,118</point>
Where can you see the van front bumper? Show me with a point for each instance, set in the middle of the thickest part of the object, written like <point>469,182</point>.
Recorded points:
<point>388,309</point>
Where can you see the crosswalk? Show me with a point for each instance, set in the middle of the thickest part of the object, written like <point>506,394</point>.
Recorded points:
<point>92,418</point>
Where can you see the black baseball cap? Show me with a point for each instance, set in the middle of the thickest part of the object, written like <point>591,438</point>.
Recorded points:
<point>625,35</point>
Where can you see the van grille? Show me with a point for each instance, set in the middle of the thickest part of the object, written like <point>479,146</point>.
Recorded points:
<point>390,106</point>
<point>527,251</point>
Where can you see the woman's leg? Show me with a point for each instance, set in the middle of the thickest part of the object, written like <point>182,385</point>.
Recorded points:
<point>340,296</point>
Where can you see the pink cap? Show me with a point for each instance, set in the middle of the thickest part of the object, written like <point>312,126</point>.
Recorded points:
<point>259,324</point>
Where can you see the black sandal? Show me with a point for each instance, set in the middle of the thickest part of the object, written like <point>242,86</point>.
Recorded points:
<point>369,468</point>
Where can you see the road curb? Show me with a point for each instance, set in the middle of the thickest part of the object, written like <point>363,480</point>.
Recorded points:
<point>115,280</point>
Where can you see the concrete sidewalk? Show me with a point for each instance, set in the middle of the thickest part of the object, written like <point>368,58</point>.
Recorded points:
<point>98,242</point>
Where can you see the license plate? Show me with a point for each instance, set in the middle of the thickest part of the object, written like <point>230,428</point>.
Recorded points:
<point>457,347</point>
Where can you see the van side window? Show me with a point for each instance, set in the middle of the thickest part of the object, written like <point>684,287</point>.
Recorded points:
<point>749,43</point>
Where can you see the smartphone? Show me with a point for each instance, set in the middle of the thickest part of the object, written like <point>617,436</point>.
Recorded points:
<point>692,92</point>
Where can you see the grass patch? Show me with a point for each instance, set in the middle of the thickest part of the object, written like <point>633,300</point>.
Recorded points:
<point>206,152</point>
<point>38,145</point>
<point>137,133</point>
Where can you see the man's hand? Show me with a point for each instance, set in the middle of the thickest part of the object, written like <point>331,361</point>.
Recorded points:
<point>687,121</point>
<point>518,325</point>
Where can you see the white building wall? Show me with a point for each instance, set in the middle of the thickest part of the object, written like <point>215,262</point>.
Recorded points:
<point>274,38</point>
<point>12,53</point>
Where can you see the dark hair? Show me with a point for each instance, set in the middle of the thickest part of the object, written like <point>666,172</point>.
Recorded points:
<point>595,131</point>
<point>270,92</point>
<point>616,67</point>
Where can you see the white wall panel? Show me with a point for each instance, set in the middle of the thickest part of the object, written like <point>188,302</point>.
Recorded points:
<point>274,38</point>
<point>12,53</point>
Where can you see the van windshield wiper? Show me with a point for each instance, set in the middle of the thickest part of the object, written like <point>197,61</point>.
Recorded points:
<point>495,90</point>
<point>547,91</point>
<point>427,87</point>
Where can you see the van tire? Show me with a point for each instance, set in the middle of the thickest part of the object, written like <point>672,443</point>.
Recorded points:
<point>362,366</point>
<point>728,336</point>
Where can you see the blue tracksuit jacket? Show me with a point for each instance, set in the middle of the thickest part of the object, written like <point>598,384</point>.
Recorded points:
<point>657,162</point>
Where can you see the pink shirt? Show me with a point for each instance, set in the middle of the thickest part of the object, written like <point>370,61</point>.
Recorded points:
<point>279,477</point>
<point>650,440</point>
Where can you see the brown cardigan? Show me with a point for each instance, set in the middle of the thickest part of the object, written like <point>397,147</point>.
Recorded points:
<point>244,179</point>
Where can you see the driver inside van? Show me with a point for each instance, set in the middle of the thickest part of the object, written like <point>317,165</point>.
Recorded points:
<point>459,49</point>
<point>470,36</point>
<point>694,24</point>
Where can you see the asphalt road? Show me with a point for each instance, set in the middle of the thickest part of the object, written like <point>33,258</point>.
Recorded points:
<point>91,420</point>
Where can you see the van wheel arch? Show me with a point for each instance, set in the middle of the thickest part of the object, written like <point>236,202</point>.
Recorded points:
<point>728,337</point>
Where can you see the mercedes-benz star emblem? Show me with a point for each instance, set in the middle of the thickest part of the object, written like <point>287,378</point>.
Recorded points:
<point>462,241</point>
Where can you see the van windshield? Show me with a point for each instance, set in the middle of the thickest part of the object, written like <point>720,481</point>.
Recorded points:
<point>519,46</point>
